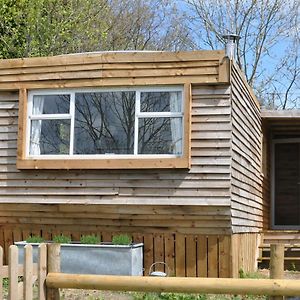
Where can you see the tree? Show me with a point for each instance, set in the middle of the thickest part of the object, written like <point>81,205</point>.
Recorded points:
<point>52,27</point>
<point>146,25</point>
<point>269,46</point>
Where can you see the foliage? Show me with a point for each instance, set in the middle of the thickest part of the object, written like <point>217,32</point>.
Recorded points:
<point>34,239</point>
<point>90,239</point>
<point>121,239</point>
<point>61,239</point>
<point>177,296</point>
<point>50,27</point>
<point>251,275</point>
<point>168,296</point>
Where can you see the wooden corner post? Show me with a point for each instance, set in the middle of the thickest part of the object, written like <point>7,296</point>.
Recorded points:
<point>277,264</point>
<point>53,266</point>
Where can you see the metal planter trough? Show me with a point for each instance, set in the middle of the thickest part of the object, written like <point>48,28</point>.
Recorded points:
<point>102,259</point>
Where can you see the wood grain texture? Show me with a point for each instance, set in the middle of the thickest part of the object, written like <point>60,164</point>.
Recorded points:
<point>114,69</point>
<point>246,182</point>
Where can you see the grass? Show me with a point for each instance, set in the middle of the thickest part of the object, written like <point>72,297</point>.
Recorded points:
<point>90,239</point>
<point>61,239</point>
<point>121,239</point>
<point>175,296</point>
<point>35,239</point>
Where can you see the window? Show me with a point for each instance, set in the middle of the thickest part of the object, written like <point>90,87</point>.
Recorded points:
<point>123,123</point>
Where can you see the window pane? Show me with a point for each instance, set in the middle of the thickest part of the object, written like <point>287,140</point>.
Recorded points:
<point>161,101</point>
<point>49,137</point>
<point>104,123</point>
<point>51,104</point>
<point>160,136</point>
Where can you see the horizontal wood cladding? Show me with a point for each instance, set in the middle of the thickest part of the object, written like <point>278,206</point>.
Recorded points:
<point>128,218</point>
<point>246,168</point>
<point>98,69</point>
<point>205,187</point>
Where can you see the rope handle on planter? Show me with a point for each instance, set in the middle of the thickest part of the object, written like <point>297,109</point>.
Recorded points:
<point>159,263</point>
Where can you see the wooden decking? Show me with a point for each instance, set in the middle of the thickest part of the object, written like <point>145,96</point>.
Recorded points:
<point>291,240</point>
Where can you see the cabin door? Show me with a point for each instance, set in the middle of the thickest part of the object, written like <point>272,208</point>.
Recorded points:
<point>286,184</point>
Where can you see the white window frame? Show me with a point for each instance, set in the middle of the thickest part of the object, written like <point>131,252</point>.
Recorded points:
<point>71,117</point>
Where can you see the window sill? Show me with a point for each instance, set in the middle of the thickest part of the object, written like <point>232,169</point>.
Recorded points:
<point>134,163</point>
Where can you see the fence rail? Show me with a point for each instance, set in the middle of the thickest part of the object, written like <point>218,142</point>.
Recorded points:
<point>272,287</point>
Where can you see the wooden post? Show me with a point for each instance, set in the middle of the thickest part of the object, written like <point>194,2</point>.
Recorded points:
<point>42,271</point>
<point>13,260</point>
<point>277,264</point>
<point>53,266</point>
<point>28,273</point>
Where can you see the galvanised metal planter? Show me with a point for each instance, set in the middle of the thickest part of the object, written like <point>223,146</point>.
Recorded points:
<point>102,259</point>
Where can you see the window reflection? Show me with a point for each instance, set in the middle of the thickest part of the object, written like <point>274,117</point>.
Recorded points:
<point>104,123</point>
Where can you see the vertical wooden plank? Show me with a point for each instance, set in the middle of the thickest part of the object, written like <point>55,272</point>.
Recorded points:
<point>28,273</point>
<point>212,252</point>
<point>13,272</point>
<point>148,252</point>
<point>224,256</point>
<point>17,235</point>
<point>2,244</point>
<point>159,252</point>
<point>76,236</point>
<point>25,234</point>
<point>137,238</point>
<point>53,265</point>
<point>36,232</point>
<point>42,271</point>
<point>46,235</point>
<point>202,256</point>
<point>180,254</point>
<point>22,124</point>
<point>1,273</point>
<point>191,256</point>
<point>106,237</point>
<point>170,253</point>
<point>234,256</point>
<point>8,240</point>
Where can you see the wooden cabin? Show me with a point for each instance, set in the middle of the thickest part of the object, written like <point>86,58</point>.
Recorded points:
<point>167,147</point>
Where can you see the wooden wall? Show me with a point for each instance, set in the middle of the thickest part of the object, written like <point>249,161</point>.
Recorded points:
<point>245,252</point>
<point>247,204</point>
<point>182,216</point>
<point>185,254</point>
<point>207,183</point>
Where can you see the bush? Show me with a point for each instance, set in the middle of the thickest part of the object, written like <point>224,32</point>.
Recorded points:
<point>121,239</point>
<point>61,239</point>
<point>90,239</point>
<point>34,239</point>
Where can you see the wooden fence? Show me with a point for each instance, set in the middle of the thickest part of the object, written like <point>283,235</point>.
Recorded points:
<point>22,277</point>
<point>46,276</point>
<point>190,255</point>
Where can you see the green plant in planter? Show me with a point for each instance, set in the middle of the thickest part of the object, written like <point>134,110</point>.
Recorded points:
<point>121,239</point>
<point>90,239</point>
<point>61,239</point>
<point>35,239</point>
